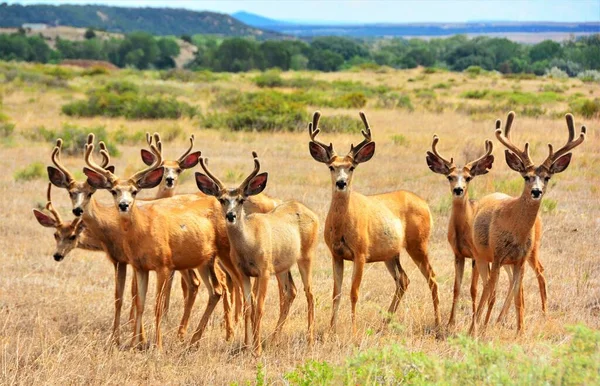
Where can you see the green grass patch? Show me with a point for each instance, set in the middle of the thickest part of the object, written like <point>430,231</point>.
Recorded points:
<point>34,171</point>
<point>400,140</point>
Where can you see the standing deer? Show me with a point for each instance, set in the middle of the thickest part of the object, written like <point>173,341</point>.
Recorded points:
<point>366,229</point>
<point>460,225</point>
<point>507,229</point>
<point>163,236</point>
<point>68,235</point>
<point>265,244</point>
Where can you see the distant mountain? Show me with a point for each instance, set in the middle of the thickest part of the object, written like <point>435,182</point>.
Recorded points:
<point>256,20</point>
<point>158,21</point>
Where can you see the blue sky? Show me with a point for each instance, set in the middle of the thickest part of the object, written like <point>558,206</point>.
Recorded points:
<point>374,11</point>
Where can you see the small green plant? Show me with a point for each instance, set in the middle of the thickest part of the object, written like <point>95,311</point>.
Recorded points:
<point>30,172</point>
<point>475,94</point>
<point>271,78</point>
<point>589,76</point>
<point>549,205</point>
<point>588,108</point>
<point>395,100</point>
<point>400,140</point>
<point>171,133</point>
<point>352,100</point>
<point>474,70</point>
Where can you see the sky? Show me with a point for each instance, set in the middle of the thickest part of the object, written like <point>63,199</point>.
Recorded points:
<point>379,11</point>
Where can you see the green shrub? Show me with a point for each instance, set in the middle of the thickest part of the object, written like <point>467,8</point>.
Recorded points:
<point>589,76</point>
<point>6,127</point>
<point>395,100</point>
<point>425,94</point>
<point>122,137</point>
<point>553,87</point>
<point>556,73</point>
<point>441,86</point>
<point>171,133</point>
<point>352,100</point>
<point>587,108</point>
<point>179,75</point>
<point>30,172</point>
<point>474,70</point>
<point>121,87</point>
<point>95,70</point>
<point>474,94</point>
<point>341,123</point>
<point>271,78</point>
<point>532,111</point>
<point>400,140</point>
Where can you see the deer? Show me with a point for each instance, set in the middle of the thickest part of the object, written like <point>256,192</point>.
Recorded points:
<point>460,225</point>
<point>68,235</point>
<point>265,244</point>
<point>163,236</point>
<point>507,230</point>
<point>102,226</point>
<point>367,229</point>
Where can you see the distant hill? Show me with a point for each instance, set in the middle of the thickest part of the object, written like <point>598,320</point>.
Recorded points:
<point>158,21</point>
<point>256,20</point>
<point>484,27</point>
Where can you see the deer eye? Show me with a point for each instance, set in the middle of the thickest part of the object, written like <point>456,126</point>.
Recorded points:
<point>547,178</point>
<point>114,193</point>
<point>73,237</point>
<point>222,201</point>
<point>241,200</point>
<point>526,178</point>
<point>89,195</point>
<point>468,179</point>
<point>331,168</point>
<point>134,194</point>
<point>450,178</point>
<point>56,236</point>
<point>351,168</point>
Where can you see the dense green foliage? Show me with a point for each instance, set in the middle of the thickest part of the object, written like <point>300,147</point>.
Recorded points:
<point>473,363</point>
<point>161,21</point>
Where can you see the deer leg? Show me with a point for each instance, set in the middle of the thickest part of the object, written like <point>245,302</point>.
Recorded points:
<point>490,292</point>
<point>139,337</point>
<point>261,294</point>
<point>401,280</point>
<point>357,273</point>
<point>247,288</point>
<point>190,284</point>
<point>219,278</point>
<point>421,259</point>
<point>338,278</point>
<point>459,269</point>
<point>214,294</point>
<point>167,295</point>
<point>287,293</point>
<point>474,279</point>
<point>120,276</point>
<point>508,300</point>
<point>163,278</point>
<point>538,269</point>
<point>484,269</point>
<point>233,296</point>
<point>518,295</point>
<point>305,268</point>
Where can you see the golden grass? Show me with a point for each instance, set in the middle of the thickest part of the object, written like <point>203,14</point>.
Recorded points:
<point>56,317</point>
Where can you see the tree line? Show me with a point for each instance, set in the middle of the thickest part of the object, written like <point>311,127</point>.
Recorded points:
<point>142,50</point>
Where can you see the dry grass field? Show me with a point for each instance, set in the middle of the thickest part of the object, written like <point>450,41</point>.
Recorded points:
<point>56,317</point>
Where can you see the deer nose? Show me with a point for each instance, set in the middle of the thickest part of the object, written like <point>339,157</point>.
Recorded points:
<point>77,211</point>
<point>536,193</point>
<point>230,216</point>
<point>58,257</point>
<point>341,184</point>
<point>458,191</point>
<point>123,206</point>
<point>170,181</point>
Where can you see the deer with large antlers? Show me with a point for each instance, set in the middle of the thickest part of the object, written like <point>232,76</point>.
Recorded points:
<point>460,235</point>
<point>163,236</point>
<point>68,235</point>
<point>367,229</point>
<point>103,228</point>
<point>507,230</point>
<point>265,244</point>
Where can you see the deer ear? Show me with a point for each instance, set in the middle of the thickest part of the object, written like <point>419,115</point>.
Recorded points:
<point>152,179</point>
<point>365,153</point>
<point>483,166</point>
<point>257,185</point>
<point>57,177</point>
<point>44,219</point>
<point>561,163</point>
<point>190,161</point>
<point>110,168</point>
<point>318,153</point>
<point>514,162</point>
<point>96,180</point>
<point>436,165</point>
<point>148,157</point>
<point>206,185</point>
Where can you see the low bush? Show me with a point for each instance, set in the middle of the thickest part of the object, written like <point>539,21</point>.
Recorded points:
<point>587,108</point>
<point>74,138</point>
<point>474,70</point>
<point>271,78</point>
<point>351,100</point>
<point>475,94</point>
<point>556,73</point>
<point>589,76</point>
<point>395,100</point>
<point>341,123</point>
<point>34,171</point>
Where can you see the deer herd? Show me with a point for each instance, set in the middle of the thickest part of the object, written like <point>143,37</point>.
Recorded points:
<point>224,236</point>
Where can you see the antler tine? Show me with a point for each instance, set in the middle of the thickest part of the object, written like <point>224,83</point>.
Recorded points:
<point>366,133</point>
<point>571,143</point>
<point>254,172</point>
<point>157,163</point>
<point>50,207</point>
<point>89,160</point>
<point>489,147</point>
<point>57,161</point>
<point>158,141</point>
<point>188,151</point>
<point>506,141</point>
<point>148,138</point>
<point>203,164</point>
<point>313,131</point>
<point>104,154</point>
<point>436,139</point>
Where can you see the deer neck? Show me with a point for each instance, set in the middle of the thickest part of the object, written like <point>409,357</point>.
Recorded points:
<point>238,233</point>
<point>340,201</point>
<point>135,221</point>
<point>462,211</point>
<point>98,218</point>
<point>525,211</point>
<point>164,192</point>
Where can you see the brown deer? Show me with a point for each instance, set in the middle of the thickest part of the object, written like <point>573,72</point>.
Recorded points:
<point>367,229</point>
<point>103,227</point>
<point>461,220</point>
<point>68,235</point>
<point>163,236</point>
<point>265,244</point>
<point>507,230</point>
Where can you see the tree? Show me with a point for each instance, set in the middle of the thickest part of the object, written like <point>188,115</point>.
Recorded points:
<point>345,47</point>
<point>138,49</point>
<point>237,54</point>
<point>325,60</point>
<point>545,50</point>
<point>89,33</point>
